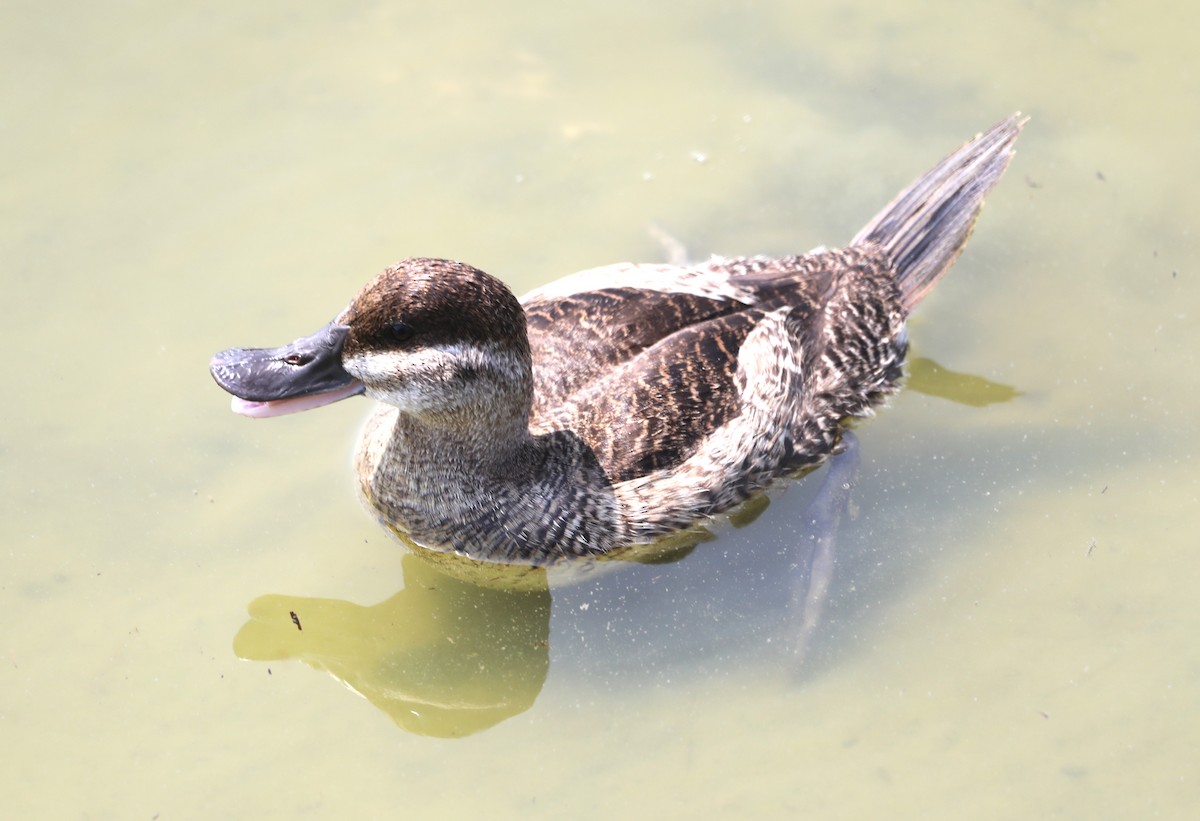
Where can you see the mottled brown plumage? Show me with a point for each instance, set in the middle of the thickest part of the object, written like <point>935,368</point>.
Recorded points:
<point>622,404</point>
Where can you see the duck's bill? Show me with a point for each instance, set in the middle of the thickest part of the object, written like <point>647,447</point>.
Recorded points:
<point>304,374</point>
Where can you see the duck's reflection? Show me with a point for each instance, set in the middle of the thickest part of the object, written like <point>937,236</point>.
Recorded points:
<point>928,377</point>
<point>442,657</point>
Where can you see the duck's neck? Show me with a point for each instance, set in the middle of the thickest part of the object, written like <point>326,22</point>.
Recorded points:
<point>490,490</point>
<point>482,445</point>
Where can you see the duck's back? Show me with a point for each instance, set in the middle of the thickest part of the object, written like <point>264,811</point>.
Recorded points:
<point>645,374</point>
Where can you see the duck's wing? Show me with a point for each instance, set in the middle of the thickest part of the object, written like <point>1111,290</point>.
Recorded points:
<point>645,376</point>
<point>652,410</point>
<point>585,327</point>
<point>804,367</point>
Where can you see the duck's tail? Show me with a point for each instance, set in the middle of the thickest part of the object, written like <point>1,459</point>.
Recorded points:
<point>926,226</point>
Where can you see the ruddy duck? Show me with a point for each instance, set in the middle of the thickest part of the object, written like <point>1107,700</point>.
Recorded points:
<point>623,404</point>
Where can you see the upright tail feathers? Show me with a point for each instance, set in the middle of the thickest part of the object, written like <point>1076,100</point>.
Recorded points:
<point>926,226</point>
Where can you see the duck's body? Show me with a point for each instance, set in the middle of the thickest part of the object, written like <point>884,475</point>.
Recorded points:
<point>649,410</point>
<point>622,404</point>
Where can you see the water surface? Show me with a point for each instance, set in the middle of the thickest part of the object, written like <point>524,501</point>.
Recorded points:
<point>1012,630</point>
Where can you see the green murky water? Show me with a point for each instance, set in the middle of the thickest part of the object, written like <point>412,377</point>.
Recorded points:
<point>1013,627</point>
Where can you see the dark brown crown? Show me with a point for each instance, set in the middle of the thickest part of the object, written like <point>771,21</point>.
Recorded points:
<point>426,302</point>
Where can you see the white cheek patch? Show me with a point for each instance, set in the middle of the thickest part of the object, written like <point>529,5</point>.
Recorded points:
<point>376,367</point>
<point>435,378</point>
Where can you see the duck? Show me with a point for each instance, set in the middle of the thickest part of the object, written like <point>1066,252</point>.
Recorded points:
<point>620,405</point>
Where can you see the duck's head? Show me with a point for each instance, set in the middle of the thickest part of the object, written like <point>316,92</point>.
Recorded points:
<point>440,340</point>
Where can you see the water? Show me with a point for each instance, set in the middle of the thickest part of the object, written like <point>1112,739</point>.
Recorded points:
<point>1012,632</point>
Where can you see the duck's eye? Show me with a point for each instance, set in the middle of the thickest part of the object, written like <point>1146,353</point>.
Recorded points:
<point>400,331</point>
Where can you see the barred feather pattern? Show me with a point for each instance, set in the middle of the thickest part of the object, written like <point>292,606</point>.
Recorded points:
<point>800,373</point>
